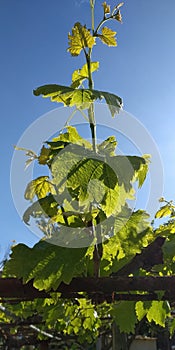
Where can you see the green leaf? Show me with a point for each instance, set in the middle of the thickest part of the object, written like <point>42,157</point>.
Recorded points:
<point>163,211</point>
<point>48,265</point>
<point>98,182</point>
<point>108,36</point>
<point>39,187</point>
<point>142,309</point>
<point>114,199</point>
<point>114,102</point>
<point>79,97</point>
<point>95,179</point>
<point>64,164</point>
<point>80,75</point>
<point>125,316</point>
<point>71,136</point>
<point>141,173</point>
<point>81,38</point>
<point>172,327</point>
<point>131,232</point>
<point>47,155</point>
<point>66,95</point>
<point>158,312</point>
<point>127,169</point>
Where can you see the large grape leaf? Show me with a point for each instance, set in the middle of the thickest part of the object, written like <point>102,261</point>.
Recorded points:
<point>106,181</point>
<point>131,232</point>
<point>158,312</point>
<point>81,38</point>
<point>124,315</point>
<point>155,310</point>
<point>128,169</point>
<point>113,101</point>
<point>63,165</point>
<point>79,97</point>
<point>97,183</point>
<point>47,264</point>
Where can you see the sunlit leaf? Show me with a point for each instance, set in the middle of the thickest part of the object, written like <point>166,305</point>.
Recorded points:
<point>141,173</point>
<point>127,169</point>
<point>114,102</point>
<point>163,211</point>
<point>47,264</point>
<point>70,136</point>
<point>158,312</point>
<point>131,231</point>
<point>142,309</point>
<point>79,97</point>
<point>80,75</point>
<point>107,36</point>
<point>39,187</point>
<point>81,38</point>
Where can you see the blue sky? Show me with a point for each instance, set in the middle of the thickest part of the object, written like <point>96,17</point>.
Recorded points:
<point>33,43</point>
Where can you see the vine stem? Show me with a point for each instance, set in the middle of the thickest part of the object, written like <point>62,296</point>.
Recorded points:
<point>92,3</point>
<point>98,249</point>
<point>91,114</point>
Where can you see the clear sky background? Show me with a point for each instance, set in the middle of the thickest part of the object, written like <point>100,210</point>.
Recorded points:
<point>33,43</point>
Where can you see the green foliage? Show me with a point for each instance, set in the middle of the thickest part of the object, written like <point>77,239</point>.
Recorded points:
<point>166,210</point>
<point>156,311</point>
<point>85,199</point>
<point>81,98</point>
<point>39,187</point>
<point>125,316</point>
<point>80,176</point>
<point>47,264</point>
<point>163,211</point>
<point>131,232</point>
<point>80,75</point>
<point>108,36</point>
<point>80,39</point>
